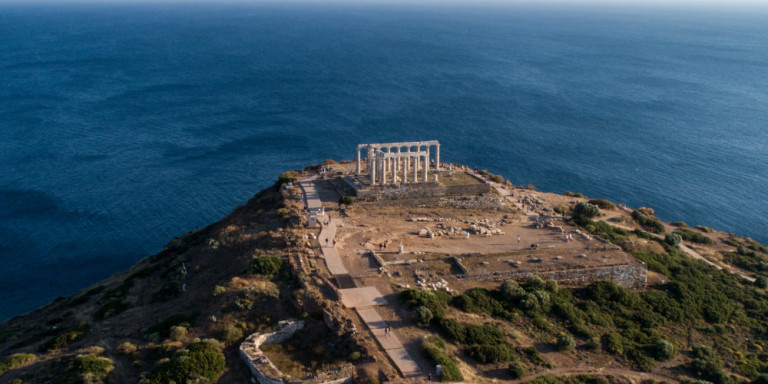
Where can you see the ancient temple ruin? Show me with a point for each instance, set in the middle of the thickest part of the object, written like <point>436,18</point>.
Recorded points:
<point>398,163</point>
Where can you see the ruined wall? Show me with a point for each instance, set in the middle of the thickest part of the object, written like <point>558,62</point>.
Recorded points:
<point>405,191</point>
<point>626,275</point>
<point>266,372</point>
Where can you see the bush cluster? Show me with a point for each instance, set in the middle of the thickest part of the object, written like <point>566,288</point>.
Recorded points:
<point>64,338</point>
<point>163,327</point>
<point>586,209</point>
<point>15,361</point>
<point>267,266</point>
<point>706,365</point>
<point>693,237</point>
<point>195,361</point>
<point>650,223</point>
<point>603,204</point>
<point>434,349</point>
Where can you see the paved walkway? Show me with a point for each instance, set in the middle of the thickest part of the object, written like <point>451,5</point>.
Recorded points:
<point>361,299</point>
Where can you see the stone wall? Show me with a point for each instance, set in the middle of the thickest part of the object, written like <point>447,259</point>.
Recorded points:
<point>626,275</point>
<point>406,191</point>
<point>267,373</point>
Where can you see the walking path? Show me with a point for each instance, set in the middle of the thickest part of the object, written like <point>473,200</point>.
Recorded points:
<point>361,299</point>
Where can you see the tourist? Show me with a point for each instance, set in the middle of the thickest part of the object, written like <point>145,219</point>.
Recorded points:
<point>518,239</point>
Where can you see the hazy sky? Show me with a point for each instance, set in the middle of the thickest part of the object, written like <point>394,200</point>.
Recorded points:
<point>694,3</point>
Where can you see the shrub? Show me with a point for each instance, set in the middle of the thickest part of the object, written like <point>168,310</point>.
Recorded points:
<point>435,301</point>
<point>545,303</point>
<point>163,327</point>
<point>694,237</point>
<point>354,356</point>
<point>126,348</point>
<point>198,359</point>
<point>453,330</point>
<point>178,333</point>
<point>422,316</point>
<point>346,200</point>
<point>15,361</point>
<point>673,239</point>
<point>535,282</point>
<point>653,225</point>
<point>511,291</point>
<point>231,335</point>
<point>613,343</point>
<point>602,204</point>
<point>586,209</point>
<point>534,356</point>
<point>63,339</point>
<point>434,349</point>
<point>89,369</point>
<point>267,266</point>
<point>664,350</point>
<point>490,353</point>
<point>530,303</point>
<point>218,290</point>
<point>761,282</point>
<point>704,229</point>
<point>287,177</point>
<point>565,342</point>
<point>483,334</point>
<point>516,370</point>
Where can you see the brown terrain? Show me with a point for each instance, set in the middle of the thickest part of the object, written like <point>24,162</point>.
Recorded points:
<point>208,278</point>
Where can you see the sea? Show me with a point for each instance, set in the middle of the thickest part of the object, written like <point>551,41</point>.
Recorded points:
<point>123,125</point>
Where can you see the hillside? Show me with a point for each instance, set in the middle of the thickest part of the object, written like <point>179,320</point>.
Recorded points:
<point>510,284</point>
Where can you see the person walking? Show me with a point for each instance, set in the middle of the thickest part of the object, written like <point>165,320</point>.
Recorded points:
<point>518,239</point>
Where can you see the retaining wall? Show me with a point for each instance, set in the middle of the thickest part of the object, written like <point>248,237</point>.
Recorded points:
<point>633,276</point>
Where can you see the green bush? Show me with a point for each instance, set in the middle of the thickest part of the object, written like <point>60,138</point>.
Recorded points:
<point>516,370</point>
<point>198,359</point>
<point>586,210</point>
<point>490,353</point>
<point>435,301</point>
<point>664,350</point>
<point>651,224</point>
<point>673,239</point>
<point>15,361</point>
<point>422,316</point>
<point>178,333</point>
<point>163,327</point>
<point>434,349</point>
<point>613,343</point>
<point>267,266</point>
<point>62,340</point>
<point>565,342</point>
<point>761,282</point>
<point>694,237</point>
<point>603,204</point>
<point>511,291</point>
<point>90,369</point>
<point>232,335</point>
<point>346,200</point>
<point>453,330</point>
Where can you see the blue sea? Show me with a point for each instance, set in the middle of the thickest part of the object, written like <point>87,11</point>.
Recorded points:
<point>122,126</point>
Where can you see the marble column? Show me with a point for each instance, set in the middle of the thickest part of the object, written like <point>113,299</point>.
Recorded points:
<point>426,168</point>
<point>437,157</point>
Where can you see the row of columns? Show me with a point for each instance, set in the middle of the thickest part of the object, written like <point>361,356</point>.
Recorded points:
<point>403,167</point>
<point>385,160</point>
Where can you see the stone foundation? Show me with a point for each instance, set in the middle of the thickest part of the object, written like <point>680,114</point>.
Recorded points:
<point>266,373</point>
<point>625,275</point>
